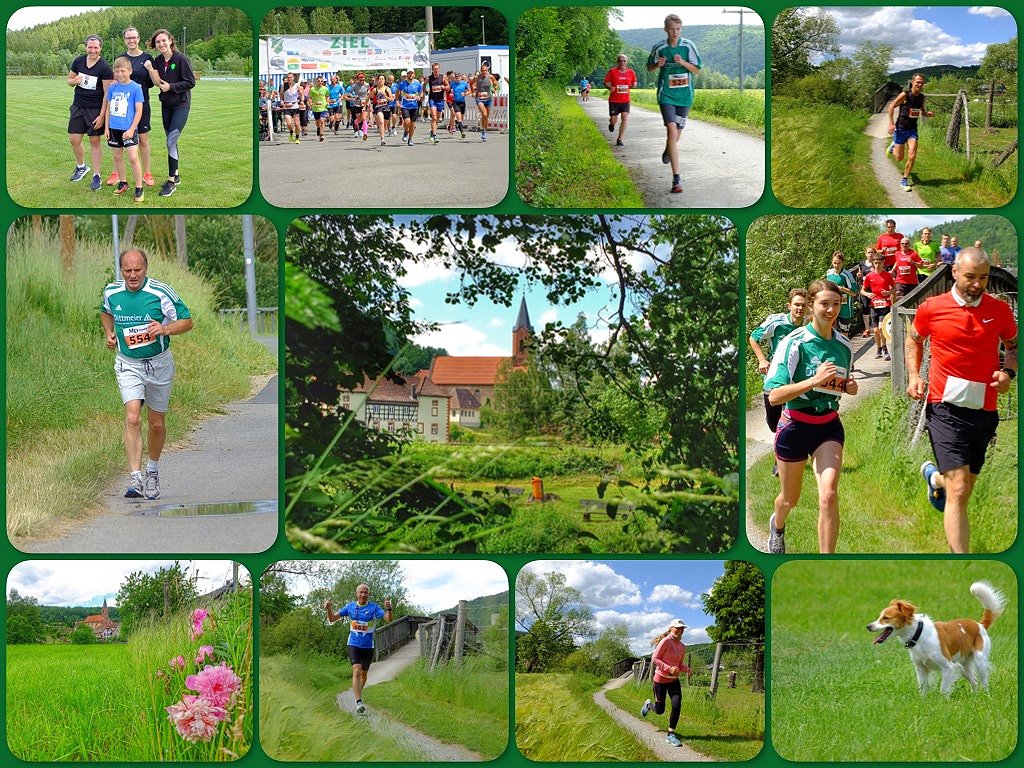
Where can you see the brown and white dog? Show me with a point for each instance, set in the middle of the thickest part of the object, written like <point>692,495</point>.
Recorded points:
<point>957,647</point>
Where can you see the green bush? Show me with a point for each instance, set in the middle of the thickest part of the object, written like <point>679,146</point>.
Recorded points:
<point>302,632</point>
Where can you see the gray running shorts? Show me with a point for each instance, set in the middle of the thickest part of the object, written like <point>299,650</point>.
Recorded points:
<point>148,379</point>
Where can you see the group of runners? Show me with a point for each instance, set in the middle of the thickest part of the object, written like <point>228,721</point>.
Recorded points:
<point>112,102</point>
<point>809,370</point>
<point>676,61</point>
<point>383,104</point>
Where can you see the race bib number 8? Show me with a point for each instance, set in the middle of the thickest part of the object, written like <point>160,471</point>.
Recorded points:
<point>915,113</point>
<point>137,336</point>
<point>119,105</point>
<point>359,626</point>
<point>679,80</point>
<point>834,386</point>
<point>88,82</point>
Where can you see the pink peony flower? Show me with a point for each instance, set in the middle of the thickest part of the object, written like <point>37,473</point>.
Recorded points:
<point>195,718</point>
<point>177,662</point>
<point>218,685</point>
<point>205,652</point>
<point>198,617</point>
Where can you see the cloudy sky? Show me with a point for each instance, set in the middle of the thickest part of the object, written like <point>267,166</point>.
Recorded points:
<point>644,595</point>
<point>435,585</point>
<point>90,582</point>
<point>486,328</point>
<point>29,17</point>
<point>926,35</point>
<point>653,16</point>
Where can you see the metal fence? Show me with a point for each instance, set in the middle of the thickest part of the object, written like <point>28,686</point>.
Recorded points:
<point>266,319</point>
<point>739,665</point>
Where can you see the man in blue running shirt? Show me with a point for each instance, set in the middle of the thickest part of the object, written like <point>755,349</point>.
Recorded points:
<point>361,614</point>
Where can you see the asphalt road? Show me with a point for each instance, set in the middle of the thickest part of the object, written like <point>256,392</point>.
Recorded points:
<point>345,172</point>
<point>231,457</point>
<point>720,168</point>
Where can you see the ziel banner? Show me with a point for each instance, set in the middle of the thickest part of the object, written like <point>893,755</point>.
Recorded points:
<point>312,54</point>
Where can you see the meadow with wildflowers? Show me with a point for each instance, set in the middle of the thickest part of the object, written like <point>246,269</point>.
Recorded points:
<point>179,689</point>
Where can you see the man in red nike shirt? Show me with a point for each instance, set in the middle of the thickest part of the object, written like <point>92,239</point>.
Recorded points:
<point>618,81</point>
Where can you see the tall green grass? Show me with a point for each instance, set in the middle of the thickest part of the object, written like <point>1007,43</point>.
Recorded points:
<point>465,704</point>
<point>838,697</point>
<point>300,719</point>
<point>726,107</point>
<point>558,721</point>
<point>882,503</point>
<point>65,419</point>
<point>821,157</point>
<point>727,727</point>
<point>562,160</point>
<point>107,702</point>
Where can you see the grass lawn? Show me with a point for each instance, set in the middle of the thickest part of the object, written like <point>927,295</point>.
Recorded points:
<point>557,720</point>
<point>722,107</point>
<point>838,697</point>
<point>882,502</point>
<point>216,150</point>
<point>728,727</point>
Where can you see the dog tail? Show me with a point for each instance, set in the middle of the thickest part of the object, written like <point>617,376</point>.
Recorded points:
<point>991,600</point>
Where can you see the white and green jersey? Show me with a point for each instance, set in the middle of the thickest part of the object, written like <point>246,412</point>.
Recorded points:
<point>773,330</point>
<point>675,82</point>
<point>847,280</point>
<point>133,311</point>
<point>797,359</point>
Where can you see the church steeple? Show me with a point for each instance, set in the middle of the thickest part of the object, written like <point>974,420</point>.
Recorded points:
<point>104,611</point>
<point>523,320</point>
<point>521,332</point>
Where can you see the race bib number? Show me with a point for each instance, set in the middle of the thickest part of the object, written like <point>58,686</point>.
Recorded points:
<point>89,82</point>
<point>914,113</point>
<point>436,88</point>
<point>834,386</point>
<point>359,626</point>
<point>904,270</point>
<point>483,95</point>
<point>679,80</point>
<point>119,105</point>
<point>879,303</point>
<point>622,89</point>
<point>137,336</point>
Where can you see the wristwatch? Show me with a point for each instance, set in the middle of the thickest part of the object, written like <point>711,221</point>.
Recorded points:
<point>1009,372</point>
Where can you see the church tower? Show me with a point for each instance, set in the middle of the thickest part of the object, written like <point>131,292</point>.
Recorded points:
<point>521,332</point>
<point>104,614</point>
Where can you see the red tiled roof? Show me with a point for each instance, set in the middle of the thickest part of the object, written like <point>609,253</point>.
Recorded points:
<point>388,391</point>
<point>466,371</point>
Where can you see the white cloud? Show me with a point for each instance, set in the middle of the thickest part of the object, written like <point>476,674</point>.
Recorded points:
<point>599,584</point>
<point>436,585</point>
<point>415,303</point>
<point>988,10</point>
<point>548,317</point>
<point>653,17</point>
<point>671,593</point>
<point>460,338</point>
<point>645,626</point>
<point>24,18</point>
<point>422,272</point>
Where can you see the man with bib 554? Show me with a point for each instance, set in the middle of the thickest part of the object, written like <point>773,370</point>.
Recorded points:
<point>139,315</point>
<point>362,615</point>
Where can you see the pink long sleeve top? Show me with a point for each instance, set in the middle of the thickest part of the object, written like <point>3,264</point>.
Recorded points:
<point>669,653</point>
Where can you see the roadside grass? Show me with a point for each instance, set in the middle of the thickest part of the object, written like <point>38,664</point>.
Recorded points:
<point>558,721</point>
<point>882,502</point>
<point>838,697</point>
<point>722,107</point>
<point>947,179</point>
<point>466,706</point>
<point>104,702</point>
<point>215,150</point>
<point>729,727</point>
<point>563,161</point>
<point>300,719</point>
<point>821,157</point>
<point>65,418</point>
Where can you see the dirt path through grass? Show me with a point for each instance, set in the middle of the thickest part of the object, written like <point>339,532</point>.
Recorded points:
<point>720,168</point>
<point>871,376</point>
<point>646,733</point>
<point>886,173</point>
<point>430,748</point>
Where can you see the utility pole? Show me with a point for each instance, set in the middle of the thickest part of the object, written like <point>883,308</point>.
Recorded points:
<point>429,13</point>
<point>483,31</point>
<point>249,251</point>
<point>741,11</point>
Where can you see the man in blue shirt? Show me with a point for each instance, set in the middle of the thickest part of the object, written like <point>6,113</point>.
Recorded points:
<point>411,93</point>
<point>362,615</point>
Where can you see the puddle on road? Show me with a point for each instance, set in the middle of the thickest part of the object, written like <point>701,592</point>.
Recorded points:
<point>215,508</point>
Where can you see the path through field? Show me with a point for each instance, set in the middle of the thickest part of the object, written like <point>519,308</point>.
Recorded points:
<point>645,732</point>
<point>430,749</point>
<point>871,376</point>
<point>720,168</point>
<point>886,173</point>
<point>228,458</point>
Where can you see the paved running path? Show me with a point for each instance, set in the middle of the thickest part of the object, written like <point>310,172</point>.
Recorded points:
<point>871,376</point>
<point>720,168</point>
<point>228,458</point>
<point>430,748</point>
<point>646,733</point>
<point>343,172</point>
<point>886,172</point>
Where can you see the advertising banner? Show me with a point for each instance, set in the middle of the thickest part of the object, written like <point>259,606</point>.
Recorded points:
<point>313,54</point>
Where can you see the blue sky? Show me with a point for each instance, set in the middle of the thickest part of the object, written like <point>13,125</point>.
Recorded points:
<point>925,35</point>
<point>646,595</point>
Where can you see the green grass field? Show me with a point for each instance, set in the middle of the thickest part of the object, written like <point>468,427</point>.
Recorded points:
<point>838,697</point>
<point>882,504</point>
<point>729,727</point>
<point>723,107</point>
<point>557,720</point>
<point>215,150</point>
<point>104,703</point>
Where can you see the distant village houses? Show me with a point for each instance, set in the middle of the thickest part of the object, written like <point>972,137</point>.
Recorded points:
<point>103,628</point>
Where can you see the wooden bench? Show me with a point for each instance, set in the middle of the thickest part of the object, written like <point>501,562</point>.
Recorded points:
<point>596,510</point>
<point>509,490</point>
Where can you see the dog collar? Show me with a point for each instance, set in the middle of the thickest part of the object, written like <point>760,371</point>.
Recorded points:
<point>917,635</point>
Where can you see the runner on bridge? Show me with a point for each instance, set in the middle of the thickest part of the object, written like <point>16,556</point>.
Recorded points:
<point>618,81</point>
<point>362,615</point>
<point>668,664</point>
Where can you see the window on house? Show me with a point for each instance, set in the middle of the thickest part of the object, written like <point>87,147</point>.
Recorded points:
<point>433,411</point>
<point>419,427</point>
<point>433,429</point>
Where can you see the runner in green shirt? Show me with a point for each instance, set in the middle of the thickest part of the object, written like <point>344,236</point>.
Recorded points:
<point>318,98</point>
<point>677,61</point>
<point>847,285</point>
<point>929,253</point>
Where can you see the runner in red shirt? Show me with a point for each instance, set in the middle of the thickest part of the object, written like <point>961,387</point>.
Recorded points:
<point>618,81</point>
<point>906,261</point>
<point>889,242</point>
<point>966,327</point>
<point>877,288</point>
